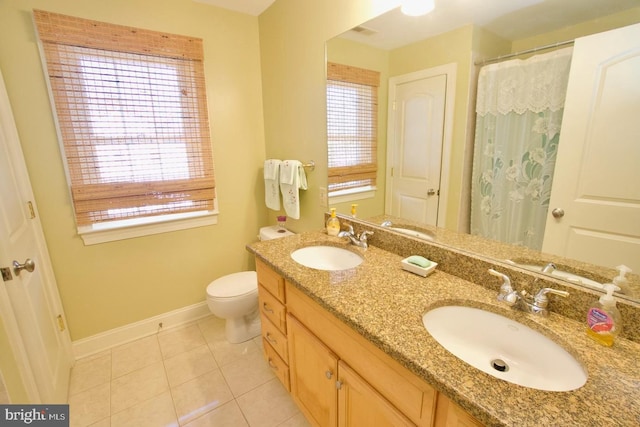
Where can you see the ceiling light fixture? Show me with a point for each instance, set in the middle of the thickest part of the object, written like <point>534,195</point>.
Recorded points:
<point>417,7</point>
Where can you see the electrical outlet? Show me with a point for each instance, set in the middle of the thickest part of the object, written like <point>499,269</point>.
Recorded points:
<point>322,194</point>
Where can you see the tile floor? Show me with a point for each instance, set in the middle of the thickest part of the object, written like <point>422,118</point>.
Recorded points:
<point>188,376</point>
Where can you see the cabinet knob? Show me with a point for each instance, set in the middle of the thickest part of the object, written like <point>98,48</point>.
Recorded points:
<point>328,374</point>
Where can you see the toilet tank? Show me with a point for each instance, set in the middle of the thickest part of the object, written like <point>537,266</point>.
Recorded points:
<point>273,232</point>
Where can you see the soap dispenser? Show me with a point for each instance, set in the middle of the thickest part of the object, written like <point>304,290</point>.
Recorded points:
<point>333,224</point>
<point>604,321</point>
<point>621,281</point>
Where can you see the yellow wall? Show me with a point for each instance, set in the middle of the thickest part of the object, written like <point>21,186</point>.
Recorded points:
<point>593,26</point>
<point>112,284</point>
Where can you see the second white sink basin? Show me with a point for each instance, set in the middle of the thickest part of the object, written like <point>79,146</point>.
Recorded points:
<point>504,348</point>
<point>328,258</point>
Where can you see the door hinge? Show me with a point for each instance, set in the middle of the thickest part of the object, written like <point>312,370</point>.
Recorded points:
<point>391,172</point>
<point>32,212</point>
<point>61,325</point>
<point>6,274</point>
<point>393,105</point>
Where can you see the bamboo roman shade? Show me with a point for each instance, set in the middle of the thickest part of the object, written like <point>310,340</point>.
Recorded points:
<point>132,114</point>
<point>352,126</point>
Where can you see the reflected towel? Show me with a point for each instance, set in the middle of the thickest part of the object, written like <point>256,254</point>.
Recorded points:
<point>271,183</point>
<point>292,179</point>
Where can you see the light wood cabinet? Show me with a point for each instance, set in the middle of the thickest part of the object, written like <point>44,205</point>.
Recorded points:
<point>313,372</point>
<point>448,414</point>
<point>335,375</point>
<point>359,404</point>
<point>273,321</point>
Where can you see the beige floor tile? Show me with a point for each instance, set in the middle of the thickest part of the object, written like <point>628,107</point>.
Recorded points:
<point>228,415</point>
<point>188,365</point>
<point>179,340</point>
<point>138,386</point>
<point>296,421</point>
<point>247,373</point>
<point>268,405</point>
<point>225,352</point>
<point>259,342</point>
<point>200,395</point>
<point>106,422</point>
<point>87,374</point>
<point>89,406</point>
<point>155,412</point>
<point>213,329</point>
<point>135,355</point>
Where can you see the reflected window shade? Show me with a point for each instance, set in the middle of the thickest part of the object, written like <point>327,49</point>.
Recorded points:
<point>352,121</point>
<point>132,115</point>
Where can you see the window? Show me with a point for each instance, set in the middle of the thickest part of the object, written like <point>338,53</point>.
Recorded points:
<point>352,126</point>
<point>132,115</point>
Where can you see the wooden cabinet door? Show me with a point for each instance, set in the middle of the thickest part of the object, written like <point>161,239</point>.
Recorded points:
<point>448,414</point>
<point>359,404</point>
<point>312,373</point>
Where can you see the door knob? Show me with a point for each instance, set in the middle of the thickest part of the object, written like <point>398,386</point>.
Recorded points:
<point>557,213</point>
<point>431,192</point>
<point>28,265</point>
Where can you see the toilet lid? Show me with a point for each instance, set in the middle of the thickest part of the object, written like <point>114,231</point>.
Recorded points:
<point>233,285</point>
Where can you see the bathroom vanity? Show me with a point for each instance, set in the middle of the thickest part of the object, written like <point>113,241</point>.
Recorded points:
<point>350,346</point>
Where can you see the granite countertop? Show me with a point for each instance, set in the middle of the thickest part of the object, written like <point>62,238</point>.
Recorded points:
<point>385,304</point>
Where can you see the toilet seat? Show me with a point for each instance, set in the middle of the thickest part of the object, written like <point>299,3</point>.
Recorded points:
<point>234,285</point>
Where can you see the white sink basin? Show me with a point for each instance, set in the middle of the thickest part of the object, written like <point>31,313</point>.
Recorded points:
<point>328,258</point>
<point>504,348</point>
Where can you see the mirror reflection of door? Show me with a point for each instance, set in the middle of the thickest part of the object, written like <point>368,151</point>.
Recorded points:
<point>596,180</point>
<point>416,120</point>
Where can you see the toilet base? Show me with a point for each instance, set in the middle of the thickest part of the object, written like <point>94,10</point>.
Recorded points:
<point>242,329</point>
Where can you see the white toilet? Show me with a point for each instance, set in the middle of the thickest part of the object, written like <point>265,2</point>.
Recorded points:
<point>234,297</point>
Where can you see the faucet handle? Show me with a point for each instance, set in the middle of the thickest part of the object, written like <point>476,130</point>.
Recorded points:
<point>542,300</point>
<point>350,229</point>
<point>364,234</point>
<point>507,293</point>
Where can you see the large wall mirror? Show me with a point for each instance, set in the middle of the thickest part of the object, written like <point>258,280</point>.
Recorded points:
<point>457,39</point>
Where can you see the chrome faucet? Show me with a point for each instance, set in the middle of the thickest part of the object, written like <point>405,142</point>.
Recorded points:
<point>549,268</point>
<point>537,304</point>
<point>358,240</point>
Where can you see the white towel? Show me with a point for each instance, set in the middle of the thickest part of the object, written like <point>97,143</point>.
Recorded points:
<point>271,183</point>
<point>292,179</point>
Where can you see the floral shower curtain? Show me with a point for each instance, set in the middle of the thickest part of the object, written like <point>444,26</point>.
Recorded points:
<point>519,111</point>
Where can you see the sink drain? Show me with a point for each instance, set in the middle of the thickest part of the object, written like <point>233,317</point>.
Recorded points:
<point>499,365</point>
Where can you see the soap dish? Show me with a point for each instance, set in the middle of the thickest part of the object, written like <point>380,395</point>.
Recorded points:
<point>416,269</point>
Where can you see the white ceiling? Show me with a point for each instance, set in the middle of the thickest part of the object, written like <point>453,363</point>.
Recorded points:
<point>250,7</point>
<point>510,19</point>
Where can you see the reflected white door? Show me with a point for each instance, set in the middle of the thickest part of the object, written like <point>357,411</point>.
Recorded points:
<point>415,148</point>
<point>29,301</point>
<point>597,175</point>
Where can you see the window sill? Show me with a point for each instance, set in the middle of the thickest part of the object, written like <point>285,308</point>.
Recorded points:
<point>128,229</point>
<point>352,194</point>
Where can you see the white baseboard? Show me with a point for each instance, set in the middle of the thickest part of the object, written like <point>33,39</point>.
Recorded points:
<point>133,331</point>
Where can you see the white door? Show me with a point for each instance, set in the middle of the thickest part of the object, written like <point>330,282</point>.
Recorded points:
<point>29,301</point>
<point>416,137</point>
<point>597,175</point>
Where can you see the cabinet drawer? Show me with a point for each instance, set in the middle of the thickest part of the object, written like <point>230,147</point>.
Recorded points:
<point>271,280</point>
<point>275,338</point>
<point>277,365</point>
<point>272,309</point>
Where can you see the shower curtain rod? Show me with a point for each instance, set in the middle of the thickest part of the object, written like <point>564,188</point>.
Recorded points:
<point>523,52</point>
